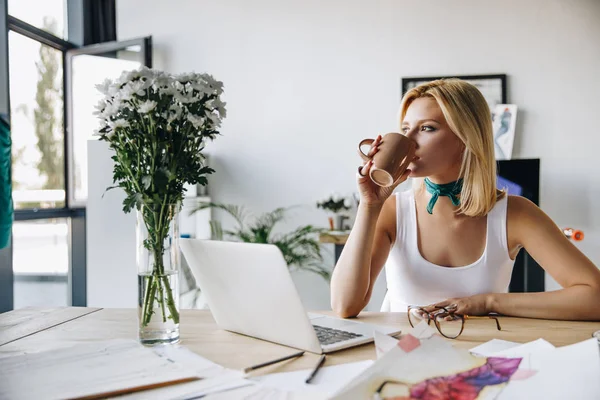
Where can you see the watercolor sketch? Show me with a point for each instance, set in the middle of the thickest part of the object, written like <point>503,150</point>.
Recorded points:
<point>424,366</point>
<point>504,119</point>
<point>467,385</point>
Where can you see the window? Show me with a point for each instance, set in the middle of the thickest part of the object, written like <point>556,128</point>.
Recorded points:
<point>48,235</point>
<point>48,15</point>
<point>37,109</point>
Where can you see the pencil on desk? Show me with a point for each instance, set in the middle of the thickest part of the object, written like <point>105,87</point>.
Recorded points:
<point>252,368</point>
<point>314,372</point>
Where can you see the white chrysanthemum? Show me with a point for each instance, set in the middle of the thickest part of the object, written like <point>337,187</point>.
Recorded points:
<point>217,105</point>
<point>118,123</point>
<point>148,73</point>
<point>147,83</point>
<point>162,91</point>
<point>185,98</point>
<point>104,86</point>
<point>216,85</point>
<point>147,106</point>
<point>132,88</point>
<point>99,108</point>
<point>213,118</point>
<point>188,77</point>
<point>162,81</point>
<point>196,121</point>
<point>201,86</point>
<point>110,110</point>
<point>128,76</point>
<point>175,112</point>
<point>178,86</point>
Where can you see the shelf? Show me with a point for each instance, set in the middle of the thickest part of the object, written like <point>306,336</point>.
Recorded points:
<point>335,237</point>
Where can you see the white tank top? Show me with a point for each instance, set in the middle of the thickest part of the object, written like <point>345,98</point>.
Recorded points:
<point>412,280</point>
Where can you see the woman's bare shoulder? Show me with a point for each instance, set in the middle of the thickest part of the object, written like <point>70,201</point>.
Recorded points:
<point>519,206</point>
<point>524,218</point>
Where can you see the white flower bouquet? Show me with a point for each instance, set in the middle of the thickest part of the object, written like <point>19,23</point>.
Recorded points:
<point>157,124</point>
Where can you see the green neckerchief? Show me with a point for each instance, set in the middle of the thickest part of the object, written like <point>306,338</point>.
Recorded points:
<point>451,190</point>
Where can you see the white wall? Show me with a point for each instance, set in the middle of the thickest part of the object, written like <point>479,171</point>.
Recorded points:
<point>110,235</point>
<point>306,80</point>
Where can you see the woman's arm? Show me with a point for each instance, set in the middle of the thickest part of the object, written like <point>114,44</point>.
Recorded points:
<point>529,226</point>
<point>363,257</point>
<point>546,243</point>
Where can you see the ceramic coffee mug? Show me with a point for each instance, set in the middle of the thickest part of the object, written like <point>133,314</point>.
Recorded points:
<point>395,153</point>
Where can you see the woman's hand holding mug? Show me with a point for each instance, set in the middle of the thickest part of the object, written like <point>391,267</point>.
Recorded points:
<point>385,167</point>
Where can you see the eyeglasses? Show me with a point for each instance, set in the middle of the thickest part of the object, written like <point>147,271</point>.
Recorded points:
<point>449,324</point>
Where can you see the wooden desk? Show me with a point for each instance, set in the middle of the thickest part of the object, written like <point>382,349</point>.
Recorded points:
<point>200,334</point>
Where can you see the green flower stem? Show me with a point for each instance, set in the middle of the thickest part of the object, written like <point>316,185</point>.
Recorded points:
<point>158,280</point>
<point>149,300</point>
<point>150,296</point>
<point>171,302</point>
<point>161,299</point>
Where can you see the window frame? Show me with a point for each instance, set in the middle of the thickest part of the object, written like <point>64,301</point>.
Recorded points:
<point>145,44</point>
<point>76,215</point>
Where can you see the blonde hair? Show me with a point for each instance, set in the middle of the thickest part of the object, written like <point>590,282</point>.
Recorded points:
<point>468,116</point>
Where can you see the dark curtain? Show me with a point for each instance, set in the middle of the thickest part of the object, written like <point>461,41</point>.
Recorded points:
<point>99,21</point>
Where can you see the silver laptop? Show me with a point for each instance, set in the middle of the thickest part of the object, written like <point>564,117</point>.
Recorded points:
<point>250,291</point>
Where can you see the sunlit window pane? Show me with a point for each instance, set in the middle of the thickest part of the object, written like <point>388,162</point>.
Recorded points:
<point>48,15</point>
<point>40,262</point>
<point>36,94</point>
<point>87,72</point>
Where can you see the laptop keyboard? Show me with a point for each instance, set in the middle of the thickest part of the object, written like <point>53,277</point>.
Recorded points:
<point>330,336</point>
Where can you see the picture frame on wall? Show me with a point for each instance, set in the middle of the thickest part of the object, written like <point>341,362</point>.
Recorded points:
<point>493,87</point>
<point>504,117</point>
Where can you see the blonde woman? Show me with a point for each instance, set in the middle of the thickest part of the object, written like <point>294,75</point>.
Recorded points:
<point>451,241</point>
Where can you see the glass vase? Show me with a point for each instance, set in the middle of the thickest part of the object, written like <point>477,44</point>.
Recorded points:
<point>158,263</point>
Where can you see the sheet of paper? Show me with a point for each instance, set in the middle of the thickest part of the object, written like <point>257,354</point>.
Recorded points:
<point>383,343</point>
<point>89,369</point>
<point>569,372</point>
<point>259,392</point>
<point>327,381</point>
<point>539,346</point>
<point>216,378</point>
<point>203,367</point>
<point>493,346</point>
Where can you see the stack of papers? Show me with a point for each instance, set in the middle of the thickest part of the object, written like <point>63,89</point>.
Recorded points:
<point>422,365</point>
<point>94,370</point>
<point>547,372</point>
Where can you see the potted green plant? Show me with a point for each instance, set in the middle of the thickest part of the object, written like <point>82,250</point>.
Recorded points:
<point>336,205</point>
<point>300,247</point>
